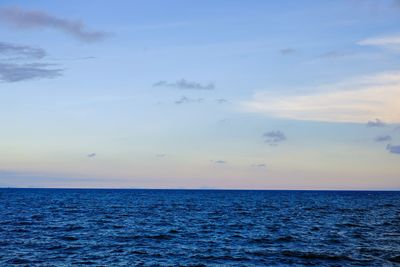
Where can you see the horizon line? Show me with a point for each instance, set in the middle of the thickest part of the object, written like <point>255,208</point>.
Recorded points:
<point>200,189</point>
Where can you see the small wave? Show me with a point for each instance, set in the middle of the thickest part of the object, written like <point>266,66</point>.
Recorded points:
<point>315,255</point>
<point>71,228</point>
<point>395,259</point>
<point>19,261</point>
<point>69,238</point>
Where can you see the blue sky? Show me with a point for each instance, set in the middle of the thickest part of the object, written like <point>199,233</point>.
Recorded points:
<point>200,94</point>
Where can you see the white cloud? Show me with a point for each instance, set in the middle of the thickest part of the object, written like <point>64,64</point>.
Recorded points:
<point>357,100</point>
<point>388,41</point>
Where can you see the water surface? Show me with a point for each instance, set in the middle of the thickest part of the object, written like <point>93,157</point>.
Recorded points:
<point>55,227</point>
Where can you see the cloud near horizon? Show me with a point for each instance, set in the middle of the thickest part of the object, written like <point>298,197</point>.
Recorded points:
<point>383,138</point>
<point>219,161</point>
<point>355,101</point>
<point>32,19</point>
<point>376,123</point>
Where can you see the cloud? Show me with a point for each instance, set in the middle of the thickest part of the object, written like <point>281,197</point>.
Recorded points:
<point>219,161</point>
<point>221,100</point>
<point>161,155</point>
<point>91,155</point>
<point>355,100</point>
<point>186,85</point>
<point>393,149</point>
<point>21,72</point>
<point>287,51</point>
<point>376,123</point>
<point>222,121</point>
<point>387,41</point>
<point>31,19</point>
<point>274,137</point>
<point>8,49</point>
<point>186,100</point>
<point>383,138</point>
<point>334,54</point>
<point>262,165</point>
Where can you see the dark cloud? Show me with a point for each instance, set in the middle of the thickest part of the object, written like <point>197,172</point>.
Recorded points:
<point>287,51</point>
<point>376,123</point>
<point>383,138</point>
<point>32,19</point>
<point>221,100</point>
<point>274,137</point>
<point>393,149</point>
<point>8,49</point>
<point>262,165</point>
<point>21,72</point>
<point>91,155</point>
<point>186,100</point>
<point>188,85</point>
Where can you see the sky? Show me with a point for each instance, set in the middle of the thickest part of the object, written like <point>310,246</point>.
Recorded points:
<point>200,94</point>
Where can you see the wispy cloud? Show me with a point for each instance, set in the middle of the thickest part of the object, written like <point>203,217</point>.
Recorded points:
<point>91,155</point>
<point>32,19</point>
<point>274,137</point>
<point>376,123</point>
<point>186,100</point>
<point>387,41</point>
<point>383,138</point>
<point>161,155</point>
<point>355,100</point>
<point>335,54</point>
<point>184,84</point>
<point>259,165</point>
<point>15,50</point>
<point>393,149</point>
<point>221,100</point>
<point>21,72</point>
<point>219,161</point>
<point>287,51</point>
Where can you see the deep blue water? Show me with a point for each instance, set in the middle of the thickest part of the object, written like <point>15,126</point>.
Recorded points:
<point>50,227</point>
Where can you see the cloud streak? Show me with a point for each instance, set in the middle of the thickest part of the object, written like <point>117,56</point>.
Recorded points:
<point>21,72</point>
<point>219,161</point>
<point>187,100</point>
<point>260,165</point>
<point>31,19</point>
<point>356,100</point>
<point>383,138</point>
<point>8,49</point>
<point>186,85</point>
<point>388,41</point>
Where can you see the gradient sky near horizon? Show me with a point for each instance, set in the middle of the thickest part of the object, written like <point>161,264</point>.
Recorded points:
<point>200,94</point>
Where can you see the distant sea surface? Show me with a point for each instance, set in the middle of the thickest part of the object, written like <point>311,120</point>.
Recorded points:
<point>61,227</point>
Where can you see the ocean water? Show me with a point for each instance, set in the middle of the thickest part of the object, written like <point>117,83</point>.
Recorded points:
<point>50,227</point>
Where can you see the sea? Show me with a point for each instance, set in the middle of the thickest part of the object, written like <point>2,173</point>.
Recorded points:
<point>102,227</point>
